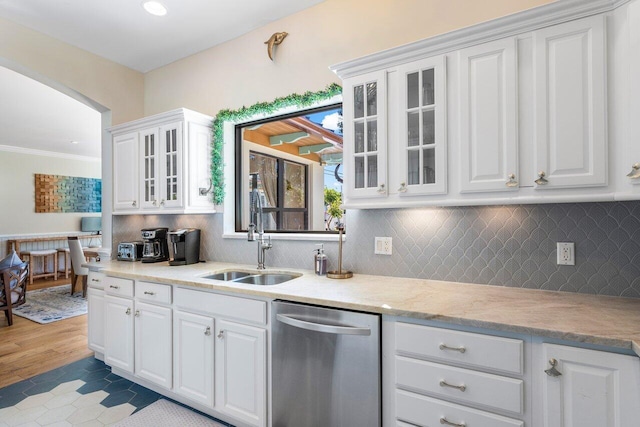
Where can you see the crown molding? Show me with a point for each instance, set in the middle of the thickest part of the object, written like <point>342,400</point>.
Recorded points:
<point>179,114</point>
<point>511,25</point>
<point>34,152</point>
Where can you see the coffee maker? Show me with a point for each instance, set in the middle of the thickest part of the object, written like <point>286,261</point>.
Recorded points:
<point>185,244</point>
<point>155,247</point>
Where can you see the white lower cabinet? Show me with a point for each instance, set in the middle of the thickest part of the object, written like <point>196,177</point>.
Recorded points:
<point>587,388</point>
<point>193,356</point>
<point>241,371</point>
<point>95,312</point>
<point>153,343</point>
<point>118,333</point>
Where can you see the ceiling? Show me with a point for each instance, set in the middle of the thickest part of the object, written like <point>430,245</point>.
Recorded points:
<point>122,31</point>
<point>34,116</point>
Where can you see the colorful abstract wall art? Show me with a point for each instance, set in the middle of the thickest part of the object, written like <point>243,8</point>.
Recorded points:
<point>57,193</point>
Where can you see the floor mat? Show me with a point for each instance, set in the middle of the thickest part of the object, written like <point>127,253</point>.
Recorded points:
<point>163,413</point>
<point>52,304</point>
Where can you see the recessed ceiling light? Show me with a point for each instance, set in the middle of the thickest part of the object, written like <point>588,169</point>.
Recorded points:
<point>74,142</point>
<point>155,8</point>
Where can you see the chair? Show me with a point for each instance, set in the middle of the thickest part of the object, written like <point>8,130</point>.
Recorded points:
<point>13,288</point>
<point>77,270</point>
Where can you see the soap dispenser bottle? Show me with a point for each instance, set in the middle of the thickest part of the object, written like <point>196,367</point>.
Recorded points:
<point>320,261</point>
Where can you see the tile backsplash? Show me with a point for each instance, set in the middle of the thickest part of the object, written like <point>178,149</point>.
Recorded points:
<point>497,245</point>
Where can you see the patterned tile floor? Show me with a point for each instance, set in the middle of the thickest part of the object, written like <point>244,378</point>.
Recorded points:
<point>84,393</point>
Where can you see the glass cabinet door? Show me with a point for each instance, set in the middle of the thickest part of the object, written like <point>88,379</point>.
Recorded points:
<point>365,136</point>
<point>171,165</point>
<point>423,156</point>
<point>149,167</point>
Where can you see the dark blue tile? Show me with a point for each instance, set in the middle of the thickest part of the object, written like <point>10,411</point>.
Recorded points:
<point>76,374</point>
<point>95,365</point>
<point>95,375</point>
<point>16,388</point>
<point>137,388</point>
<point>87,364</point>
<point>144,399</point>
<point>52,375</point>
<point>118,386</point>
<point>113,377</point>
<point>92,386</point>
<point>117,398</point>
<point>41,388</point>
<point>11,400</point>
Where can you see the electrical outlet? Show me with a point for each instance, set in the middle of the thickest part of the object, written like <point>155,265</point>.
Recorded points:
<point>566,253</point>
<point>383,246</point>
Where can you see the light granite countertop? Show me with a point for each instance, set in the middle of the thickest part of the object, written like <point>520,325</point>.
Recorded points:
<point>608,321</point>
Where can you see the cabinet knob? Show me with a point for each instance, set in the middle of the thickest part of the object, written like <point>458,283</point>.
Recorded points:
<point>137,314</point>
<point>460,387</point>
<point>403,187</point>
<point>221,334</point>
<point>134,203</point>
<point>381,189</point>
<point>207,331</point>
<point>635,171</point>
<point>445,421</point>
<point>154,203</point>
<point>541,179</point>
<point>162,202</point>
<point>552,371</point>
<point>512,182</point>
<point>128,312</point>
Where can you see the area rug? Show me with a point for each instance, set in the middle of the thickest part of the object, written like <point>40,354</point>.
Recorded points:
<point>52,304</point>
<point>163,413</point>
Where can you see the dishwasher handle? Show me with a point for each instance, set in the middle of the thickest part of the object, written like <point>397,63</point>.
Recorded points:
<point>321,327</point>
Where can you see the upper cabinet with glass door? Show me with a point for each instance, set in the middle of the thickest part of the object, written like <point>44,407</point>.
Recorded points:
<point>423,149</point>
<point>365,136</point>
<point>173,158</point>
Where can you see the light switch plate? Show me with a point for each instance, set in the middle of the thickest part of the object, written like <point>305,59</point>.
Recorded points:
<point>383,246</point>
<point>566,253</point>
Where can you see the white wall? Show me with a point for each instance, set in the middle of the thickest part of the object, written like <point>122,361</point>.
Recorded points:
<point>17,170</point>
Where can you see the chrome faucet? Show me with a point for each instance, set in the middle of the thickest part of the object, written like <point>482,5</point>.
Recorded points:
<point>258,225</point>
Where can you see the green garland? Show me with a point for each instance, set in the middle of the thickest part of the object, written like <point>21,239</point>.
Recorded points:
<point>294,100</point>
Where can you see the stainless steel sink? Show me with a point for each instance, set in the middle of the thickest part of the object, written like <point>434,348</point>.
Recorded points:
<point>252,278</point>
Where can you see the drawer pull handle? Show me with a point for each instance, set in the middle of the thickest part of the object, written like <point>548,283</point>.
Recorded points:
<point>462,387</point>
<point>221,334</point>
<point>149,293</point>
<point>114,287</point>
<point>552,371</point>
<point>443,420</point>
<point>446,347</point>
<point>95,280</point>
<point>207,332</point>
<point>128,312</point>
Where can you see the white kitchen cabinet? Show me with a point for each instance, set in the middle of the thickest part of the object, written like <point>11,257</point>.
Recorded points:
<point>118,333</point>
<point>240,377</point>
<point>422,129</point>
<point>571,104</point>
<point>162,164</point>
<point>587,388</point>
<point>632,158</point>
<point>153,343</point>
<point>488,117</point>
<point>365,136</point>
<point>193,356</point>
<point>126,187</point>
<point>95,311</point>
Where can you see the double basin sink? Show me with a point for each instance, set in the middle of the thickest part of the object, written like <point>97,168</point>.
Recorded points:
<point>252,278</point>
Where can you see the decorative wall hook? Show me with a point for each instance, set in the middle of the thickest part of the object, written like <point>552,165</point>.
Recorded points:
<point>274,40</point>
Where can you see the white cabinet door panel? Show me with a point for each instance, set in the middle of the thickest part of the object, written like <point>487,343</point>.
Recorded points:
<point>570,90</point>
<point>596,388</point>
<point>96,313</point>
<point>118,338</point>
<point>193,353</point>
<point>125,172</point>
<point>153,343</point>
<point>488,117</point>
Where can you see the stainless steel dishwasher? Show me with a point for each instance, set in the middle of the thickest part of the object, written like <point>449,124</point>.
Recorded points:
<point>325,367</point>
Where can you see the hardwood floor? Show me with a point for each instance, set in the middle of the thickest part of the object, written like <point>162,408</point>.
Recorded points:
<point>28,348</point>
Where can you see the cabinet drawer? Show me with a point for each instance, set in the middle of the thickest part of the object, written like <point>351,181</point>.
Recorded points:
<point>484,351</point>
<point>95,279</point>
<point>153,292</point>
<point>118,286</point>
<point>426,411</point>
<point>480,388</point>
<point>222,305</point>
